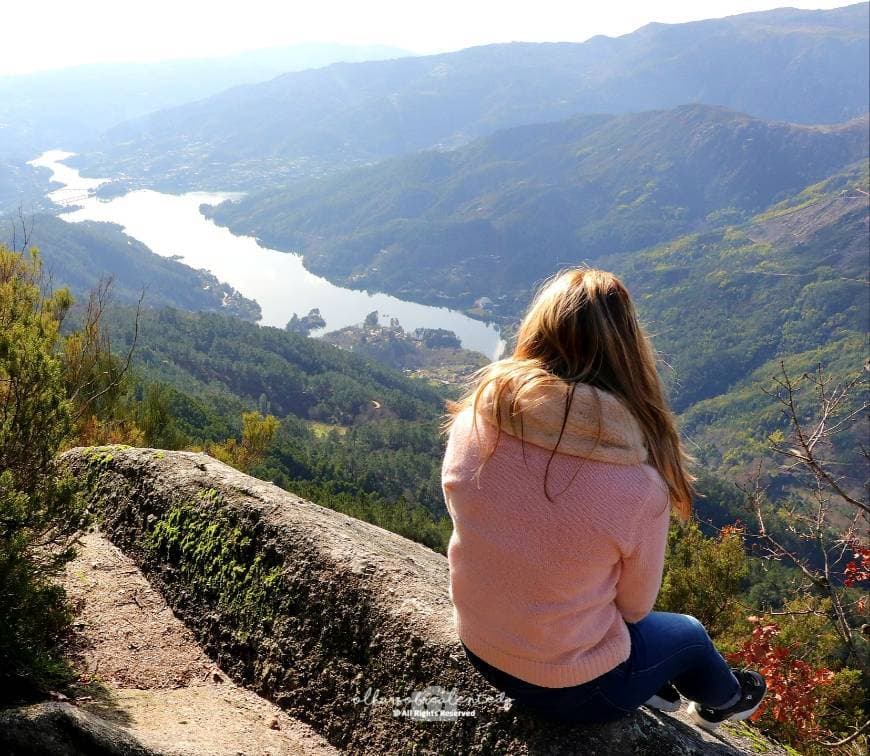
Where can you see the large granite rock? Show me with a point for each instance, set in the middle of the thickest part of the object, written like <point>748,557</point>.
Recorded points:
<point>312,609</point>
<point>61,729</point>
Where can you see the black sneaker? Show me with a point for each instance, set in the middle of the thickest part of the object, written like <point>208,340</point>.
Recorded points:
<point>667,699</point>
<point>753,688</point>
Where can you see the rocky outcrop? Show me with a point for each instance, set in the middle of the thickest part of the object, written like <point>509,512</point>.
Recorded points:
<point>61,729</point>
<point>337,621</point>
<point>144,684</point>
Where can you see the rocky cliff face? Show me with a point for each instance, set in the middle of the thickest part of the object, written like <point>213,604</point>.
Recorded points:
<point>312,609</point>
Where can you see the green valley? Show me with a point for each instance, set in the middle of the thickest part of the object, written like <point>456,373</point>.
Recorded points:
<point>492,218</point>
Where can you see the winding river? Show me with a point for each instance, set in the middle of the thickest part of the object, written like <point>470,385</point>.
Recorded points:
<point>172,226</point>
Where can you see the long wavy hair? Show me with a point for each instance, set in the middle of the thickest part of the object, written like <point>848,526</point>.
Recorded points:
<point>582,328</point>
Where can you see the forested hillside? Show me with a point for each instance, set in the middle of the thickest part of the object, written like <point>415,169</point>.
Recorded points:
<point>727,306</point>
<point>492,218</point>
<point>295,375</point>
<point>80,255</point>
<point>791,280</point>
<point>353,434</point>
<point>802,66</point>
<point>20,185</point>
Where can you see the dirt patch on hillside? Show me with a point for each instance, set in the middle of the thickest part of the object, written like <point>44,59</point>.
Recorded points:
<point>801,224</point>
<point>142,669</point>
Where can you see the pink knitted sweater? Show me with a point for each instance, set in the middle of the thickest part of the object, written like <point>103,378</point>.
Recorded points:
<point>542,589</point>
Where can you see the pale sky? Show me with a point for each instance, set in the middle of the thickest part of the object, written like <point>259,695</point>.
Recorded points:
<point>40,34</point>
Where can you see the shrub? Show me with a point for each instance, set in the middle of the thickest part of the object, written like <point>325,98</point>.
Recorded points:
<point>39,512</point>
<point>793,684</point>
<point>703,576</point>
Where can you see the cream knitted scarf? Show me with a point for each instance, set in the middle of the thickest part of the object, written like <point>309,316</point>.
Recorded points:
<point>599,426</point>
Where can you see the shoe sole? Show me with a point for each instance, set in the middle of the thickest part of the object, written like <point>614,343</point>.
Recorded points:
<point>696,717</point>
<point>662,704</point>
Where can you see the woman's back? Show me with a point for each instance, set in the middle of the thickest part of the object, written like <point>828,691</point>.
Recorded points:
<point>560,471</point>
<point>539,586</point>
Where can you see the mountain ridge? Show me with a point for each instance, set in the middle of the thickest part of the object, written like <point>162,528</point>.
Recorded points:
<point>490,218</point>
<point>70,107</point>
<point>308,123</point>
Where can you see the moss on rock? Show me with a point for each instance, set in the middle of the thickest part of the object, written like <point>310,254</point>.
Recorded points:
<point>219,559</point>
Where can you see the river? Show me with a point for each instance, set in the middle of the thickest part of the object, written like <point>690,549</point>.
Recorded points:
<point>171,225</point>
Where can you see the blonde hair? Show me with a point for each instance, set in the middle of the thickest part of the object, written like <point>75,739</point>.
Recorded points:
<point>582,328</point>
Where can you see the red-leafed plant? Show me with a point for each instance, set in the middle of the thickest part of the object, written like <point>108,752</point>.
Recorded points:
<point>792,683</point>
<point>858,570</point>
<point>827,511</point>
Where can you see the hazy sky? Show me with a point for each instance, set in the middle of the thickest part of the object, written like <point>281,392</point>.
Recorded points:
<point>54,33</point>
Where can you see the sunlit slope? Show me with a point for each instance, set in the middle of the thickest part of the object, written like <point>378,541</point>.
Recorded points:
<point>726,306</point>
<point>801,66</point>
<point>729,432</point>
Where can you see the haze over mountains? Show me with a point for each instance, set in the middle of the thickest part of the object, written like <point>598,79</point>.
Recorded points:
<point>70,107</point>
<point>799,66</point>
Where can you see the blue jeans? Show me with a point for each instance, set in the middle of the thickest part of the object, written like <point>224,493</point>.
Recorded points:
<point>664,648</point>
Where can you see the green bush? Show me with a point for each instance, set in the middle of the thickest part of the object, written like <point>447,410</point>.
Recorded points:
<point>39,511</point>
<point>703,577</point>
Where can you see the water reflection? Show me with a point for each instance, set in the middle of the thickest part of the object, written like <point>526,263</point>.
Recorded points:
<point>172,226</point>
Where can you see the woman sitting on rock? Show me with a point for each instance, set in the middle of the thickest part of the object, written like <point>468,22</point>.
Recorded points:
<point>562,466</point>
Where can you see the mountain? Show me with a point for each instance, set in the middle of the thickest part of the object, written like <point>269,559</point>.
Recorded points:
<point>801,66</point>
<point>789,289</point>
<point>79,255</point>
<point>493,217</point>
<point>69,107</point>
<point>725,306</point>
<point>766,273</point>
<point>21,185</point>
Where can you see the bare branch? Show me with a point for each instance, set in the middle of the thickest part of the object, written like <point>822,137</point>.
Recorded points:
<point>128,359</point>
<point>850,738</point>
